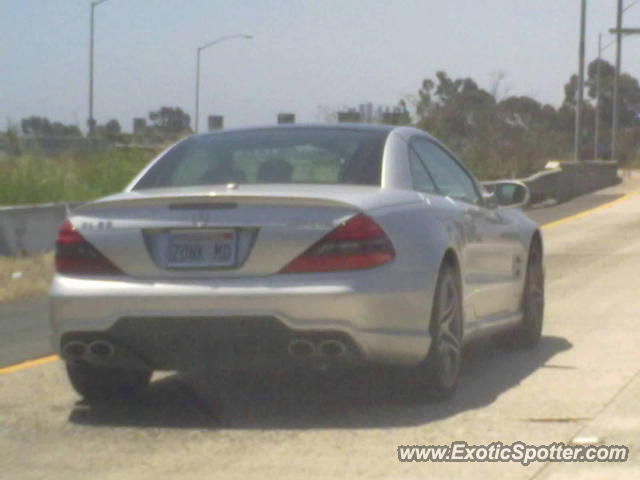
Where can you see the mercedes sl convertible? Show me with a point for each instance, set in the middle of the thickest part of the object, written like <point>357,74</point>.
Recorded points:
<point>311,246</point>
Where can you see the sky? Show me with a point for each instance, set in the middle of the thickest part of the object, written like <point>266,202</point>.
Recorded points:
<point>306,57</point>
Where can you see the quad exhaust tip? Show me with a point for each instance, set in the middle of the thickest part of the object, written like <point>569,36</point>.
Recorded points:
<point>332,348</point>
<point>302,348</point>
<point>101,348</point>
<point>74,349</point>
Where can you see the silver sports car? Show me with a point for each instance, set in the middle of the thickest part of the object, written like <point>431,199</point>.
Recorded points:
<point>320,247</point>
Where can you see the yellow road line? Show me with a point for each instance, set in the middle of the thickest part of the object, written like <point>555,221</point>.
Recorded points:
<point>584,213</point>
<point>28,364</point>
<point>53,358</point>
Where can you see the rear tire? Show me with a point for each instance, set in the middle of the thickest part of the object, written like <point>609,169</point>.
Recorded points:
<point>436,377</point>
<point>105,384</point>
<point>442,365</point>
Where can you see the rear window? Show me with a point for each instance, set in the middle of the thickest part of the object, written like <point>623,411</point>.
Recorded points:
<point>300,155</point>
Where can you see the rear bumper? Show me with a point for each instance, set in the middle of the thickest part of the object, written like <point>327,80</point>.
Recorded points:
<point>384,314</point>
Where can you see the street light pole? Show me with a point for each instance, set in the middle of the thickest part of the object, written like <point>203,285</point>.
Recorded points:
<point>580,100</point>
<point>91,123</point>
<point>200,49</point>
<point>197,89</point>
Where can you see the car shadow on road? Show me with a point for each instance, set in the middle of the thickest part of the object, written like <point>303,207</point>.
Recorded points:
<point>358,399</point>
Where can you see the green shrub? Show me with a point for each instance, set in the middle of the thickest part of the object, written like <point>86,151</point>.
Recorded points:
<point>32,179</point>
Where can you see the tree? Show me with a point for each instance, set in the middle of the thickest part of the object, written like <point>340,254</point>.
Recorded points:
<point>58,129</point>
<point>530,133</point>
<point>629,91</point>
<point>170,121</point>
<point>453,108</point>
<point>41,127</point>
<point>496,137</point>
<point>36,126</point>
<point>112,127</point>
<point>629,102</point>
<point>527,112</point>
<point>12,140</point>
<point>110,130</point>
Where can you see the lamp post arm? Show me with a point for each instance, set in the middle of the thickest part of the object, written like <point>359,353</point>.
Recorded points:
<point>222,39</point>
<point>199,50</point>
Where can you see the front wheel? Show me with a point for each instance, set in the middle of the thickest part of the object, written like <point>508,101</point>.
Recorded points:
<point>104,384</point>
<point>529,331</point>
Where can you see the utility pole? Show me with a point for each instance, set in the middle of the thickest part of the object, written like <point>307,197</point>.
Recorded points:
<point>619,31</point>
<point>597,119</point>
<point>616,80</point>
<point>91,123</point>
<point>580,99</point>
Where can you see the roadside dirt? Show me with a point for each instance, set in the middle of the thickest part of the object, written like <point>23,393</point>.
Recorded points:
<point>25,277</point>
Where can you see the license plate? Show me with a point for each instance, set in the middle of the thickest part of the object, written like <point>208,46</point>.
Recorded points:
<point>213,248</point>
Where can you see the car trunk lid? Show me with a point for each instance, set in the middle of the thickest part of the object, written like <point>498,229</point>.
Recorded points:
<point>226,231</point>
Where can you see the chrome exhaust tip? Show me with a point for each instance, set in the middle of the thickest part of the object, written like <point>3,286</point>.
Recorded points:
<point>74,350</point>
<point>301,348</point>
<point>101,348</point>
<point>332,348</point>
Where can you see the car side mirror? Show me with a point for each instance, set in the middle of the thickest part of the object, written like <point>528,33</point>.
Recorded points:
<point>511,193</point>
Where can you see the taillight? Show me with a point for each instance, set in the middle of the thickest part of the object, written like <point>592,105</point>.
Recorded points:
<point>357,244</point>
<point>74,255</point>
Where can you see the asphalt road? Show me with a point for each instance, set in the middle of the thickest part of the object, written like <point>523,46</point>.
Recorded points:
<point>24,331</point>
<point>582,381</point>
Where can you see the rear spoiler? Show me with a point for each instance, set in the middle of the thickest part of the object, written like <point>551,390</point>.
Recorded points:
<point>224,201</point>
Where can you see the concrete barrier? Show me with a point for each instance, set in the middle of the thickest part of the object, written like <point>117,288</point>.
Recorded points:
<point>544,185</point>
<point>583,177</point>
<point>571,179</point>
<point>31,230</point>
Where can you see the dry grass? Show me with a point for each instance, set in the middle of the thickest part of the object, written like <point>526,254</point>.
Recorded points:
<point>24,277</point>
